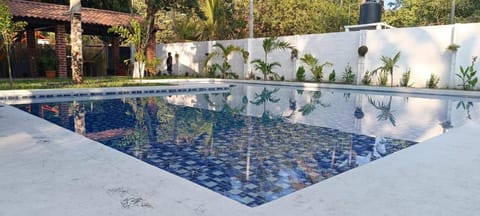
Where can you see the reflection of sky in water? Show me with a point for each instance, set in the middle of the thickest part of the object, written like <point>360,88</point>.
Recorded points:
<point>257,143</point>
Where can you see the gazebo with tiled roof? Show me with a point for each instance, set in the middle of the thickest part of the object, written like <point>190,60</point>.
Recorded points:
<point>56,18</point>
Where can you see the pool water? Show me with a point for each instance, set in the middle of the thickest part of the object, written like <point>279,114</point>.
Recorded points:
<point>256,144</point>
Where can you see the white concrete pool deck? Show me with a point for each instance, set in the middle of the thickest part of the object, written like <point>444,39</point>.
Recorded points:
<point>48,170</point>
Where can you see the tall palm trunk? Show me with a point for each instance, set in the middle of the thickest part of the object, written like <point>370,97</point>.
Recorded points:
<point>149,41</point>
<point>76,41</point>
<point>391,78</point>
<point>10,78</point>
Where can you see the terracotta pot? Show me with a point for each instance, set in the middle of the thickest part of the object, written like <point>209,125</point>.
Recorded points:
<point>50,74</point>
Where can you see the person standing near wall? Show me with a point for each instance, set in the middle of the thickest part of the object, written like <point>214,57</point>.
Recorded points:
<point>169,63</point>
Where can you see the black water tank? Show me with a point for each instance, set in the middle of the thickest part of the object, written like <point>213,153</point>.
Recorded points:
<point>370,12</point>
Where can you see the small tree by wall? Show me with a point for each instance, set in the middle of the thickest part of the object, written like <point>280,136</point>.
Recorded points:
<point>8,35</point>
<point>315,67</point>
<point>225,67</point>
<point>389,63</point>
<point>135,34</point>
<point>269,45</point>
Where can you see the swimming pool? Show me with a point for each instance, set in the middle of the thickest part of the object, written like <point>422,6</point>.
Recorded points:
<point>258,143</point>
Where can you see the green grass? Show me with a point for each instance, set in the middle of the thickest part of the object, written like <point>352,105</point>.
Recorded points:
<point>89,82</point>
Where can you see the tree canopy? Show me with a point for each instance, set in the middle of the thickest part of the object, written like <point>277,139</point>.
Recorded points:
<point>409,13</point>
<point>183,20</point>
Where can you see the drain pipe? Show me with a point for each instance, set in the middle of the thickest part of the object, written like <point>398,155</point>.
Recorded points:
<point>453,61</point>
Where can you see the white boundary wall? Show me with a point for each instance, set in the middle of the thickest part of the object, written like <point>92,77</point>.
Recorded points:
<point>423,50</point>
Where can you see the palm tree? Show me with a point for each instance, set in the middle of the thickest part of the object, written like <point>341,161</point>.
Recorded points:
<point>135,35</point>
<point>388,65</point>
<point>266,68</point>
<point>315,67</point>
<point>269,45</point>
<point>385,108</point>
<point>225,52</point>
<point>215,13</point>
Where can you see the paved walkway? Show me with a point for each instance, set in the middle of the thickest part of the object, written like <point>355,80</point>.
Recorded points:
<point>47,170</point>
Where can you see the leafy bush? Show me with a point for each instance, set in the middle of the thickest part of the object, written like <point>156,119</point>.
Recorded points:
<point>467,75</point>
<point>300,73</point>
<point>210,70</point>
<point>383,78</point>
<point>367,78</point>
<point>348,75</point>
<point>315,67</point>
<point>331,76</point>
<point>433,81</point>
<point>405,79</point>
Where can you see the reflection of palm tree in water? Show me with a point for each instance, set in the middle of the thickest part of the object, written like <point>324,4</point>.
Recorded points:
<point>466,106</point>
<point>385,108</point>
<point>312,105</point>
<point>79,118</point>
<point>144,132</point>
<point>264,97</point>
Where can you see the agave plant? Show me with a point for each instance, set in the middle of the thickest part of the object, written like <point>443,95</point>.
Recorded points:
<point>385,108</point>
<point>224,52</point>
<point>315,67</point>
<point>269,45</point>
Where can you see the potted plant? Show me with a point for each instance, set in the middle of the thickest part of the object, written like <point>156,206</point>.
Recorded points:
<point>49,65</point>
<point>362,50</point>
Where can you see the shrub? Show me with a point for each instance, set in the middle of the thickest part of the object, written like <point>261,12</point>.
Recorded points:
<point>300,73</point>
<point>315,67</point>
<point>468,76</point>
<point>331,76</point>
<point>348,75</point>
<point>367,78</point>
<point>383,78</point>
<point>405,79</point>
<point>433,81</point>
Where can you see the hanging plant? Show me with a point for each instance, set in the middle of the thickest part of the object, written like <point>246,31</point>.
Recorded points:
<point>293,54</point>
<point>362,50</point>
<point>453,47</point>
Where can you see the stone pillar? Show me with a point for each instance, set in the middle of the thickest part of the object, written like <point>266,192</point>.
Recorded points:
<point>116,56</point>
<point>32,54</point>
<point>61,50</point>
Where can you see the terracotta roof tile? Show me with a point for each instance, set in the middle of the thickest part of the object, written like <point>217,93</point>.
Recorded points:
<point>29,9</point>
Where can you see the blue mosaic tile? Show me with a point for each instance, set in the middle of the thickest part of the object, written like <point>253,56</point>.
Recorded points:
<point>210,184</point>
<point>282,157</point>
<point>235,191</point>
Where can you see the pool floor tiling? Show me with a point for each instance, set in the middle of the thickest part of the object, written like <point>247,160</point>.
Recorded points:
<point>47,170</point>
<point>262,164</point>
